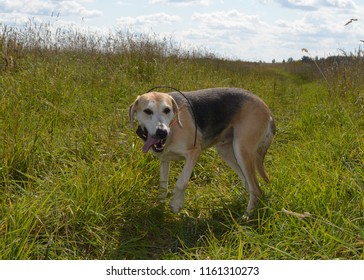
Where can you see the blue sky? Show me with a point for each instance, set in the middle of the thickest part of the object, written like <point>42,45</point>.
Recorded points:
<point>249,30</point>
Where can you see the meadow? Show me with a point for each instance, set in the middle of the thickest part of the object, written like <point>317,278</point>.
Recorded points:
<point>74,183</point>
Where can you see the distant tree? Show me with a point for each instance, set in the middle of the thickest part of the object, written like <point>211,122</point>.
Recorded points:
<point>306,59</point>
<point>273,61</point>
<point>290,60</point>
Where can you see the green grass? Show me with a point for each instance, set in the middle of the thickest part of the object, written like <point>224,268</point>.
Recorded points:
<point>74,183</point>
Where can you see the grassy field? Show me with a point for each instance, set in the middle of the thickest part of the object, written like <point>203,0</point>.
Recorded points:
<point>74,183</point>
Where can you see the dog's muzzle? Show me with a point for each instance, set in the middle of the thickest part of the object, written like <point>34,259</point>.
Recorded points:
<point>156,142</point>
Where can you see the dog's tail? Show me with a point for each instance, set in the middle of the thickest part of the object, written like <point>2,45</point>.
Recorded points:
<point>263,148</point>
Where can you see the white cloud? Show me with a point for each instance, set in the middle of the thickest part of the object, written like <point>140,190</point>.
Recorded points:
<point>34,7</point>
<point>342,4</point>
<point>146,22</point>
<point>75,8</point>
<point>123,3</point>
<point>230,33</point>
<point>229,20</point>
<point>182,2</point>
<point>300,28</point>
<point>236,34</point>
<point>14,18</point>
<point>47,8</point>
<point>313,5</point>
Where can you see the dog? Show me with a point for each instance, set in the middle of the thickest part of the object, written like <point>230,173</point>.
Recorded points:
<point>179,126</point>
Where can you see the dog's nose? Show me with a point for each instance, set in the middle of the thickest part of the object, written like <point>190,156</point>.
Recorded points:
<point>161,133</point>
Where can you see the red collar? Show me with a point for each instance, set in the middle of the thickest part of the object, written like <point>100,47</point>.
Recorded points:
<point>173,122</point>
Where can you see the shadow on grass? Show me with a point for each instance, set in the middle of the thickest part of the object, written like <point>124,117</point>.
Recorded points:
<point>156,233</point>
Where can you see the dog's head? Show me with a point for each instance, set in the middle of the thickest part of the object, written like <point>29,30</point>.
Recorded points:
<point>155,112</point>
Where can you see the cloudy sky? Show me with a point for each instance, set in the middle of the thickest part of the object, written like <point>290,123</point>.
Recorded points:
<point>249,30</point>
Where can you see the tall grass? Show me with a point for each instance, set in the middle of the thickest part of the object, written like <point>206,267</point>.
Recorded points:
<point>75,185</point>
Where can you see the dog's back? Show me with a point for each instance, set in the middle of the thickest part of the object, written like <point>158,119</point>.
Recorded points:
<point>213,108</point>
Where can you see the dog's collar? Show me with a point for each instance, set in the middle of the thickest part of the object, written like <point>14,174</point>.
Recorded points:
<point>173,122</point>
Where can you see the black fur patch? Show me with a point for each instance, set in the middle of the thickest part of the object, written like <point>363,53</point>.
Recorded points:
<point>213,108</point>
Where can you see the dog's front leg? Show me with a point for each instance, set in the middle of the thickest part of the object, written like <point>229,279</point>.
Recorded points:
<point>179,191</point>
<point>163,181</point>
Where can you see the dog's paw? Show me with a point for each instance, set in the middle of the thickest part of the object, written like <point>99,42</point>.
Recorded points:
<point>176,207</point>
<point>176,204</point>
<point>162,197</point>
<point>247,216</point>
<point>178,199</point>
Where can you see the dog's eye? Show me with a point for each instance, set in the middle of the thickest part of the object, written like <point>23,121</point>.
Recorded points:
<point>166,110</point>
<point>148,111</point>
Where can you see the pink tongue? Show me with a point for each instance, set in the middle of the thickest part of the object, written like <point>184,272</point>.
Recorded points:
<point>149,143</point>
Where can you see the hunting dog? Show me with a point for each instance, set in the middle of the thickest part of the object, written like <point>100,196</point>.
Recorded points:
<point>177,126</point>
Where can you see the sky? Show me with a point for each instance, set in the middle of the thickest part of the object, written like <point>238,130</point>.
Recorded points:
<point>249,30</point>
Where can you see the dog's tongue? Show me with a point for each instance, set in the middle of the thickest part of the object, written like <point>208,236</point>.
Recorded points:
<point>149,143</point>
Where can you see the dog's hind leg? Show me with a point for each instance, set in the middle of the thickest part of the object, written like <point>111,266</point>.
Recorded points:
<point>264,144</point>
<point>163,180</point>
<point>246,161</point>
<point>226,152</point>
<point>242,162</point>
<point>244,150</point>
<point>181,185</point>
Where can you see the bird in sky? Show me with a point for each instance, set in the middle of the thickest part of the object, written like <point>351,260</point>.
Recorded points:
<point>350,21</point>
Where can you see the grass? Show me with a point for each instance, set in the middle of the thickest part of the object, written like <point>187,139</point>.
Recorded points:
<point>75,185</point>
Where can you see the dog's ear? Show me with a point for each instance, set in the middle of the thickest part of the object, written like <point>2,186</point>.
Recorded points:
<point>132,109</point>
<point>176,111</point>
